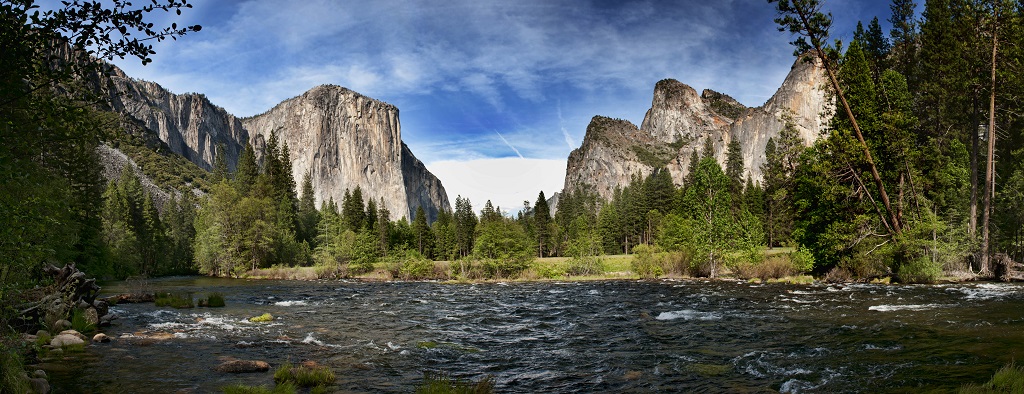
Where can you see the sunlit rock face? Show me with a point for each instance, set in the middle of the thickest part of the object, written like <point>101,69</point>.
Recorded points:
<point>681,121</point>
<point>342,138</point>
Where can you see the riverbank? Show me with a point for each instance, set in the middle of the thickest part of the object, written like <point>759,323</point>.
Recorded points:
<point>776,265</point>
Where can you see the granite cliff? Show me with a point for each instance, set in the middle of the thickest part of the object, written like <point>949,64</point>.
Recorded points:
<point>681,120</point>
<point>342,138</point>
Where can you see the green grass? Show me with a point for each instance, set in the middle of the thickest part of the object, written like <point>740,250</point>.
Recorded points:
<point>11,368</point>
<point>78,322</point>
<point>304,375</point>
<point>434,383</point>
<point>179,301</point>
<point>282,388</point>
<point>1009,379</point>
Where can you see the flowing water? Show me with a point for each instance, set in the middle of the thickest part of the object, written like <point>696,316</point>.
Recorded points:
<point>614,336</point>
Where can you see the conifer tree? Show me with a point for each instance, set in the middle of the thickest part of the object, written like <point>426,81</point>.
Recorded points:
<point>542,224</point>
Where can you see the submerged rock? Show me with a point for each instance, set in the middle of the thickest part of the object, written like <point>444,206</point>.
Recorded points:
<point>101,338</point>
<point>243,366</point>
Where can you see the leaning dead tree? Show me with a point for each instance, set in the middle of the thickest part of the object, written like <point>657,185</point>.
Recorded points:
<point>805,19</point>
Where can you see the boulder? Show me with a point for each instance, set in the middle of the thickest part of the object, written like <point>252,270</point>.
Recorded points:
<point>102,307</point>
<point>91,317</point>
<point>39,385</point>
<point>101,338</point>
<point>73,332</point>
<point>39,374</point>
<point>62,325</point>
<point>105,320</point>
<point>243,366</point>
<point>63,340</point>
<point>43,333</point>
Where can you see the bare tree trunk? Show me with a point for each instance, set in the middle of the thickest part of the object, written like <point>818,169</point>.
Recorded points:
<point>816,41</point>
<point>990,186</point>
<point>972,228</point>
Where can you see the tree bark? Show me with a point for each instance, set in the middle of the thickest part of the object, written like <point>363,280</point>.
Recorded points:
<point>990,186</point>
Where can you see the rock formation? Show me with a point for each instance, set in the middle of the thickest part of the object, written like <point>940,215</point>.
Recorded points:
<point>681,121</point>
<point>342,138</point>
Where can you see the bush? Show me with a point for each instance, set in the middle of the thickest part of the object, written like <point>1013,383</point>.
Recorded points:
<point>584,266</point>
<point>774,267</point>
<point>215,300</point>
<point>306,375</point>
<point>434,383</point>
<point>549,271</point>
<point>179,301</point>
<point>677,263</point>
<point>919,270</point>
<point>646,262</point>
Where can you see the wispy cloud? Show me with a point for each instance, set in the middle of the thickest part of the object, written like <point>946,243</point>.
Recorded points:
<point>531,71</point>
<point>509,145</point>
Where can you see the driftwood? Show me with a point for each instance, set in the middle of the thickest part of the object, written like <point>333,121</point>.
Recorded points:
<point>70,289</point>
<point>1006,269</point>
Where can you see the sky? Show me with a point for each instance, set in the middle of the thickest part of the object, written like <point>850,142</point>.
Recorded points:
<point>493,95</point>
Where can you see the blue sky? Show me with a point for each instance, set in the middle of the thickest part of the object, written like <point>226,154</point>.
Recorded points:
<point>493,95</point>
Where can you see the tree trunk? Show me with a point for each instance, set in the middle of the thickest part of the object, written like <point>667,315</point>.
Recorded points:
<point>972,228</point>
<point>990,186</point>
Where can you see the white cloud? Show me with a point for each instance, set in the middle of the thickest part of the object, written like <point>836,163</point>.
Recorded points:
<point>507,182</point>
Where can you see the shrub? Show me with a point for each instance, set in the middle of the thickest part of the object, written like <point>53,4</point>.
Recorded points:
<point>774,267</point>
<point>919,270</point>
<point>179,301</point>
<point>585,265</point>
<point>331,271</point>
<point>435,383</point>
<point>549,271</point>
<point>646,261</point>
<point>504,268</point>
<point>802,259</point>
<point>306,375</point>
<point>215,300</point>
<point>677,263</point>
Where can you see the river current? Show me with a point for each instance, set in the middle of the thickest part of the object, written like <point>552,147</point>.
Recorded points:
<point>604,336</point>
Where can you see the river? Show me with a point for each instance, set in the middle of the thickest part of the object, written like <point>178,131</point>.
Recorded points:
<point>603,336</point>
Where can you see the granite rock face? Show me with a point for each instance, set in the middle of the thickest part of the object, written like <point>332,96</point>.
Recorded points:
<point>189,124</point>
<point>681,121</point>
<point>343,139</point>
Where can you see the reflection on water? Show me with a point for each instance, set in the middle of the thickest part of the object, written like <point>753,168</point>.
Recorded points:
<point>617,336</point>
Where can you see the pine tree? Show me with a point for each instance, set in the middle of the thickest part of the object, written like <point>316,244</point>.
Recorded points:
<point>542,224</point>
<point>308,215</point>
<point>247,171</point>
<point>421,231</point>
<point>465,225</point>
<point>734,167</point>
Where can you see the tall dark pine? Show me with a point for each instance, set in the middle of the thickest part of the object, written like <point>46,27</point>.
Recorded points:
<point>309,218</point>
<point>542,224</point>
